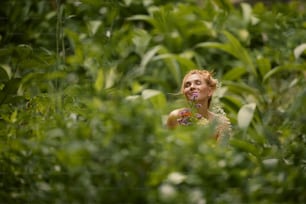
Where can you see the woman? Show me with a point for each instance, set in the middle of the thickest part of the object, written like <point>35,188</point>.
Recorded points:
<point>198,87</point>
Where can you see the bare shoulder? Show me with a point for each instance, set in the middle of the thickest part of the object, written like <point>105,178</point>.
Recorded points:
<point>173,116</point>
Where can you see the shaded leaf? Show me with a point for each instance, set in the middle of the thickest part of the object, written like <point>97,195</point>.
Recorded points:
<point>288,67</point>
<point>264,65</point>
<point>245,146</point>
<point>234,48</point>
<point>3,75</point>
<point>234,73</point>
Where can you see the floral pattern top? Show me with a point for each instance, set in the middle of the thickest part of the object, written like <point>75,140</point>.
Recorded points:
<point>187,117</point>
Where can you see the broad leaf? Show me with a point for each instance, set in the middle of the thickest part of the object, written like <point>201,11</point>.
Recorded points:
<point>288,67</point>
<point>3,75</point>
<point>245,115</point>
<point>234,73</point>
<point>234,48</point>
<point>299,50</point>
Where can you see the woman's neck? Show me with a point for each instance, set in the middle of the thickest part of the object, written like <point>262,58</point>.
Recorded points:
<point>202,108</point>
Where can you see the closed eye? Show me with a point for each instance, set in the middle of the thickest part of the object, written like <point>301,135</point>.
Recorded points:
<point>187,84</point>
<point>196,82</point>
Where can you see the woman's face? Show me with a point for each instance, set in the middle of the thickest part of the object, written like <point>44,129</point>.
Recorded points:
<point>196,88</point>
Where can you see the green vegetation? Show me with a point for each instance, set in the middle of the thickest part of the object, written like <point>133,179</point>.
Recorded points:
<point>85,87</point>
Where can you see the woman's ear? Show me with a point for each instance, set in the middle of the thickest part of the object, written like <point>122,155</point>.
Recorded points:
<point>210,91</point>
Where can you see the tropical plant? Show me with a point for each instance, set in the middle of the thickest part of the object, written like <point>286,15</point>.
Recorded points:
<point>85,87</point>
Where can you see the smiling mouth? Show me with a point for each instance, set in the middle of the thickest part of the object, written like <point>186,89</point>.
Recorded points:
<point>194,94</point>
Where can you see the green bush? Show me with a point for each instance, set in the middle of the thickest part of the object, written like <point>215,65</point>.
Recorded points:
<point>85,88</point>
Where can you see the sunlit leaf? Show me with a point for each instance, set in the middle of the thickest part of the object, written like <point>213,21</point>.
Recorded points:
<point>99,136</point>
<point>141,40</point>
<point>247,12</point>
<point>156,97</point>
<point>299,50</point>
<point>140,17</point>
<point>99,84</point>
<point>93,26</point>
<point>110,77</point>
<point>271,163</point>
<point>245,115</point>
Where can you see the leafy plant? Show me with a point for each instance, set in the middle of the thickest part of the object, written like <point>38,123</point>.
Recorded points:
<point>84,97</point>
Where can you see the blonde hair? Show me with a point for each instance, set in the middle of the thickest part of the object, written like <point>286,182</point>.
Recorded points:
<point>207,76</point>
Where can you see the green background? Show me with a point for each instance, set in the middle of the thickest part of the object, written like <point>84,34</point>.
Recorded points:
<point>85,87</point>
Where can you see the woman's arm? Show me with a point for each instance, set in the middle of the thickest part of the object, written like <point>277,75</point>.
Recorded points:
<point>172,118</point>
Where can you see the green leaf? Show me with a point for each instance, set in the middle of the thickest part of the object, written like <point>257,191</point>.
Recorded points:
<point>234,48</point>
<point>110,77</point>
<point>270,163</point>
<point>148,57</point>
<point>141,40</point>
<point>172,65</point>
<point>231,102</point>
<point>4,52</point>
<point>241,88</point>
<point>247,12</point>
<point>93,26</point>
<point>185,63</point>
<point>12,86</point>
<point>156,97</point>
<point>245,146</point>
<point>3,75</point>
<point>288,67</point>
<point>23,51</point>
<point>140,18</point>
<point>99,83</point>
<point>264,65</point>
<point>177,63</point>
<point>299,50</point>
<point>224,4</point>
<point>234,73</point>
<point>245,115</point>
<point>9,90</point>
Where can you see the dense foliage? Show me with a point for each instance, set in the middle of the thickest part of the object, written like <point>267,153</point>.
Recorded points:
<point>85,87</point>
